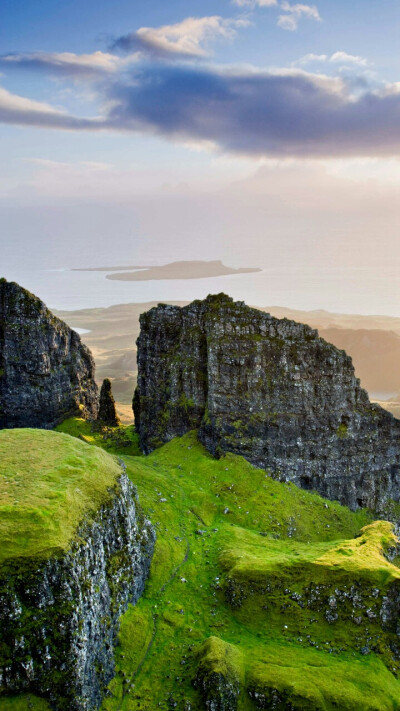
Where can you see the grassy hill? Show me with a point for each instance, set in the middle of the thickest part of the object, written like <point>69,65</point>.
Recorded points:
<point>262,594</point>
<point>48,482</point>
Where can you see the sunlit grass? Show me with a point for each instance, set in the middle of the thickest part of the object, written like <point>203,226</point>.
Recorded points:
<point>49,483</point>
<point>223,521</point>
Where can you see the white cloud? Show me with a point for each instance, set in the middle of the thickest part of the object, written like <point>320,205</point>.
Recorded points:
<point>309,58</point>
<point>287,22</point>
<point>21,111</point>
<point>255,3</point>
<point>66,63</point>
<point>342,58</point>
<point>13,102</point>
<point>190,38</point>
<point>295,13</point>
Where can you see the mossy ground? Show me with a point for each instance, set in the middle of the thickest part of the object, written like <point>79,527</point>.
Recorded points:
<point>25,702</point>
<point>49,483</point>
<point>209,515</point>
<point>118,440</point>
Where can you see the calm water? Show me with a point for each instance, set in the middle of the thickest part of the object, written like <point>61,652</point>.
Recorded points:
<point>355,290</point>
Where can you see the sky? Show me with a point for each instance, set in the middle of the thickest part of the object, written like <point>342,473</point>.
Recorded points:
<point>261,132</point>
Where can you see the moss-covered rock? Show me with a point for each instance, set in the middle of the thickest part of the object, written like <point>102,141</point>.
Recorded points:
<point>77,551</point>
<point>220,674</point>
<point>222,520</point>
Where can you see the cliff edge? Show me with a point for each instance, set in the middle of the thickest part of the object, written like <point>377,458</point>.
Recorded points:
<point>46,373</point>
<point>269,389</point>
<point>75,551</point>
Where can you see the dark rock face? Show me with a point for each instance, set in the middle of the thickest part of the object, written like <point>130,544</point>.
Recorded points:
<point>218,677</point>
<point>46,373</point>
<point>218,692</point>
<point>107,411</point>
<point>59,616</point>
<point>268,389</point>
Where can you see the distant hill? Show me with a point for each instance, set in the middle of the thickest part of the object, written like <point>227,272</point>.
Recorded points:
<point>376,357</point>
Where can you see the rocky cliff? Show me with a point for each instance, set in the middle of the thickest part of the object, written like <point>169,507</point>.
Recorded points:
<point>268,389</point>
<point>59,613</point>
<point>46,373</point>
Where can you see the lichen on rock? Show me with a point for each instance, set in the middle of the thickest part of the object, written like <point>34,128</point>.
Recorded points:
<point>60,606</point>
<point>46,373</point>
<point>269,389</point>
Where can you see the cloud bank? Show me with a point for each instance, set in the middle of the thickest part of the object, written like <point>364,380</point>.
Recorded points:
<point>255,113</point>
<point>259,113</point>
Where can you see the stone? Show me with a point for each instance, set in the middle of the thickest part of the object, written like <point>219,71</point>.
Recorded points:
<point>270,390</point>
<point>107,410</point>
<point>46,373</point>
<point>59,616</point>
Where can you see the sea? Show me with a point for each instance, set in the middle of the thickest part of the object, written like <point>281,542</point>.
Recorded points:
<point>355,290</point>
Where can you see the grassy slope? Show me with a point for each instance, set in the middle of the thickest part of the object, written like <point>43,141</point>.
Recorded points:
<point>118,440</point>
<point>49,482</point>
<point>209,515</point>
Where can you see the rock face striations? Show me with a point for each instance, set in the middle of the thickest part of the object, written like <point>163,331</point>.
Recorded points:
<point>268,389</point>
<point>60,608</point>
<point>46,373</point>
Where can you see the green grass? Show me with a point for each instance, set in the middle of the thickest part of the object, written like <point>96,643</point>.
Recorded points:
<point>49,483</point>
<point>24,702</point>
<point>249,558</point>
<point>310,680</point>
<point>304,678</point>
<point>208,516</point>
<point>122,439</point>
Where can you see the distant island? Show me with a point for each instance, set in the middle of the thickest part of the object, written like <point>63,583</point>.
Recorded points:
<point>180,270</point>
<point>108,269</point>
<point>173,270</point>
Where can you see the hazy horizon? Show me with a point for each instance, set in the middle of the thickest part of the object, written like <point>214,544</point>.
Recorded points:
<point>257,132</point>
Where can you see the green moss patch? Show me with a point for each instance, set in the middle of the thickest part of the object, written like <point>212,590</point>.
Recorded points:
<point>214,517</point>
<point>49,483</point>
<point>121,439</point>
<point>249,557</point>
<point>284,677</point>
<point>305,679</point>
<point>24,702</point>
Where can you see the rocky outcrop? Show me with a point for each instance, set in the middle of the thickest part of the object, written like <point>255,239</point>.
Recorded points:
<point>268,389</point>
<point>59,615</point>
<point>218,677</point>
<point>46,373</point>
<point>107,410</point>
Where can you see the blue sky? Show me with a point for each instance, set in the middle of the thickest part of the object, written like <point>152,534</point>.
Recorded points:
<point>108,104</point>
